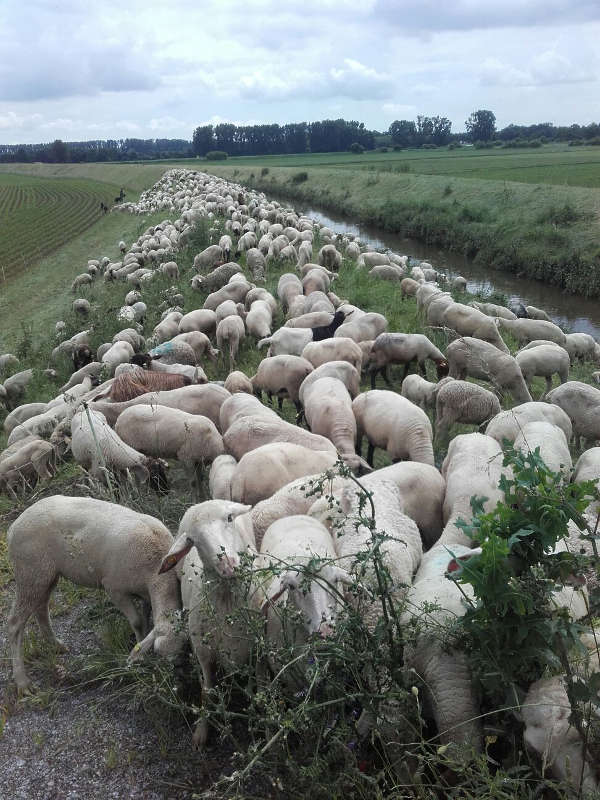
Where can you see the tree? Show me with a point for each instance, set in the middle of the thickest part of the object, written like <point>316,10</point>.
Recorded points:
<point>356,147</point>
<point>481,125</point>
<point>203,140</point>
<point>58,152</point>
<point>441,130</point>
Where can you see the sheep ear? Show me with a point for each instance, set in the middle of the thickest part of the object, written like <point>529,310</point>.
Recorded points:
<point>141,648</point>
<point>180,548</point>
<point>240,509</point>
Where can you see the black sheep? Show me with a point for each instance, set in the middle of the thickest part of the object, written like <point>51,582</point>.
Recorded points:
<point>326,331</point>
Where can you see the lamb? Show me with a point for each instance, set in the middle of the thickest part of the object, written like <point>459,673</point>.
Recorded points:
<point>507,424</point>
<point>282,376</point>
<point>170,433</point>
<point>238,382</point>
<point>259,320</point>
<point>81,306</point>
<point>341,370</point>
<point>212,538</point>
<point>336,349</point>
<point>393,423</point>
<point>404,348</point>
<point>30,461</point>
<point>249,432</point>
<point>552,444</point>
<point>219,478</point>
<point>363,328</point>
<point>286,341</point>
<point>467,321</point>
<point>328,412</point>
<point>262,471</point>
<point>479,359</point>
<point>419,391</point>
<point>85,279</point>
<point>544,360</point>
<point>525,330</point>
<point>201,319</point>
<point>209,258</point>
<point>205,399</point>
<point>231,331</point>
<point>15,386</point>
<point>133,384</point>
<point>444,671</point>
<point>91,543</point>
<point>468,403</point>
<point>581,403</point>
<point>99,449</point>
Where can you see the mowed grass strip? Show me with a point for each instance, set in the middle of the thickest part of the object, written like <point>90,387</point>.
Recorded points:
<point>38,215</point>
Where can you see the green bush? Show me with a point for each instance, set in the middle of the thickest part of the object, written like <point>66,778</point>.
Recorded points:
<point>264,171</point>
<point>299,177</point>
<point>356,147</point>
<point>216,155</point>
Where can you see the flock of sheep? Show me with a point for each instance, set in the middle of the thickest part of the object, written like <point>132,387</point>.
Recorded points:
<point>136,402</point>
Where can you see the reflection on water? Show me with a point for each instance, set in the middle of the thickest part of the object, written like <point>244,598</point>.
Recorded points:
<point>573,312</point>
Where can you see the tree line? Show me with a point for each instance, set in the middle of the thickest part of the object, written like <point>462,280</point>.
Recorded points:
<point>59,152</point>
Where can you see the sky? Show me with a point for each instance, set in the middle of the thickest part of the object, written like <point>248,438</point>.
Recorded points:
<point>73,70</point>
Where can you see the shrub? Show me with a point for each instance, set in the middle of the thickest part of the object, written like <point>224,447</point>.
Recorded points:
<point>562,215</point>
<point>447,190</point>
<point>383,149</point>
<point>429,146</point>
<point>397,148</point>
<point>299,177</point>
<point>216,155</point>
<point>403,167</point>
<point>264,171</point>
<point>356,147</point>
<point>454,145</point>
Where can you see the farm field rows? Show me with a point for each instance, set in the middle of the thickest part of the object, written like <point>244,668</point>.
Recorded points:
<point>39,215</point>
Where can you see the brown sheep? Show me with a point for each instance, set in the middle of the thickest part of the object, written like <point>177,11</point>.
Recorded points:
<point>133,384</point>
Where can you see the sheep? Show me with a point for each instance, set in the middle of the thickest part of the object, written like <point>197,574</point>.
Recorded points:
<point>286,341</point>
<point>330,257</point>
<point>256,263</point>
<point>205,399</point>
<point>444,671</point>
<point>304,254</point>
<point>259,320</point>
<point>99,449</point>
<point>91,543</point>
<point>219,478</point>
<point>259,293</point>
<point>226,309</point>
<point>581,403</point>
<point>262,471</point>
<point>85,279</point>
<point>310,320</point>
<point>537,313</point>
<point>246,242</point>
<point>419,391</point>
<point>336,349</point>
<point>226,244</point>
<point>240,405</point>
<point>467,403</point>
<point>467,321</point>
<point>133,384</point>
<point>217,278</point>
<point>238,382</point>
<point>387,272</point>
<point>315,280</point>
<point>122,246</point>
<point>318,301</point>
<point>7,360</point>
<point>231,331</point>
<point>352,251</point>
<point>164,432</point>
<point>194,374</point>
<point>479,359</point>
<point>132,336</point>
<point>201,319</point>
<point>170,270</point>
<point>288,287</point>
<point>235,291</point>
<point>81,306</point>
<point>366,327</point>
<point>22,413</point>
<point>199,342</point>
<point>328,412</point>
<point>82,355</point>
<point>393,423</point>
<point>318,268</point>
<point>582,346</point>
<point>544,360</point>
<point>212,538</point>
<point>30,461</point>
<point>437,308</point>
<point>341,370</point>
<point>404,348</point>
<point>459,284</point>
<point>507,424</point>
<point>372,259</point>
<point>16,385</point>
<point>408,287</point>
<point>321,332</point>
<point>493,310</point>
<point>118,353</point>
<point>525,330</point>
<point>282,376</point>
<point>552,444</point>
<point>209,258</point>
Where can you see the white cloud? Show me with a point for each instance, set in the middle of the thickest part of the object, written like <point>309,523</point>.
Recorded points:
<point>546,69</point>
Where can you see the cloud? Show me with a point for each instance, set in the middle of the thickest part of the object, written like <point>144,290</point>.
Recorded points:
<point>399,111</point>
<point>13,121</point>
<point>546,69</point>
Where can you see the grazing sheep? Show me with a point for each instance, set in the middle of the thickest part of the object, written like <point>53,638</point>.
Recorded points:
<point>15,387</point>
<point>22,414</point>
<point>493,310</point>
<point>91,543</point>
<point>537,313</point>
<point>200,344</point>
<point>387,272</point>
<point>372,259</point>
<point>544,360</point>
<point>281,376</point>
<point>479,359</point>
<point>525,330</point>
<point>238,382</point>
<point>133,384</point>
<point>336,349</point>
<point>219,478</point>
<point>310,320</point>
<point>288,287</point>
<point>235,291</point>
<point>170,270</point>
<point>467,403</point>
<point>321,332</point>
<point>329,257</point>
<point>256,263</point>
<point>99,449</point>
<point>118,353</point>
<point>212,538</point>
<point>467,321</point>
<point>552,444</point>
<point>341,370</point>
<point>31,461</point>
<point>226,244</point>
<point>170,352</point>
<point>581,346</point>
<point>459,283</point>
<point>85,279</point>
<point>419,391</point>
<point>247,241</point>
<point>231,331</point>
<point>363,328</point>
<point>7,360</point>
<point>241,405</point>
<point>581,403</point>
<point>250,431</point>
<point>259,319</point>
<point>508,424</point>
<point>286,341</point>
<point>404,348</point>
<point>81,306</point>
<point>393,423</point>
<point>215,279</point>
<point>263,471</point>
<point>408,287</point>
<point>209,258</point>
<point>201,319</point>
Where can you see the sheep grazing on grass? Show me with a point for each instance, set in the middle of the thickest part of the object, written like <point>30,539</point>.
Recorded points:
<point>96,544</point>
<point>404,348</point>
<point>31,461</point>
<point>467,403</point>
<point>133,384</point>
<point>328,331</point>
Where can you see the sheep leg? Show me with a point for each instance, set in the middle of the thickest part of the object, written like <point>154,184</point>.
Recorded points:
<point>370,452</point>
<point>42,616</point>
<point>20,613</point>
<point>299,409</point>
<point>279,402</point>
<point>384,374</point>
<point>422,368</point>
<point>270,397</point>
<point>548,385</point>
<point>124,602</point>
<point>197,481</point>
<point>406,368</point>
<point>200,736</point>
<point>373,377</point>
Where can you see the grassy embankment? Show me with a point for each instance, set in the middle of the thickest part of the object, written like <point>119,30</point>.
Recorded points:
<point>551,233</point>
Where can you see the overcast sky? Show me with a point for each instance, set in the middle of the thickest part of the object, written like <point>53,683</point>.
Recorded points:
<point>158,69</point>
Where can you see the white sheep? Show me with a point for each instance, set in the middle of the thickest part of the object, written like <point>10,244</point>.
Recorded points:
<point>544,360</point>
<point>341,370</point>
<point>419,391</point>
<point>219,478</point>
<point>334,349</point>
<point>118,353</point>
<point>281,376</point>
<point>507,424</point>
<point>552,444</point>
<point>464,402</point>
<point>31,460</point>
<point>96,544</point>
<point>286,341</point>
<point>237,381</point>
<point>581,403</point>
<point>230,331</point>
